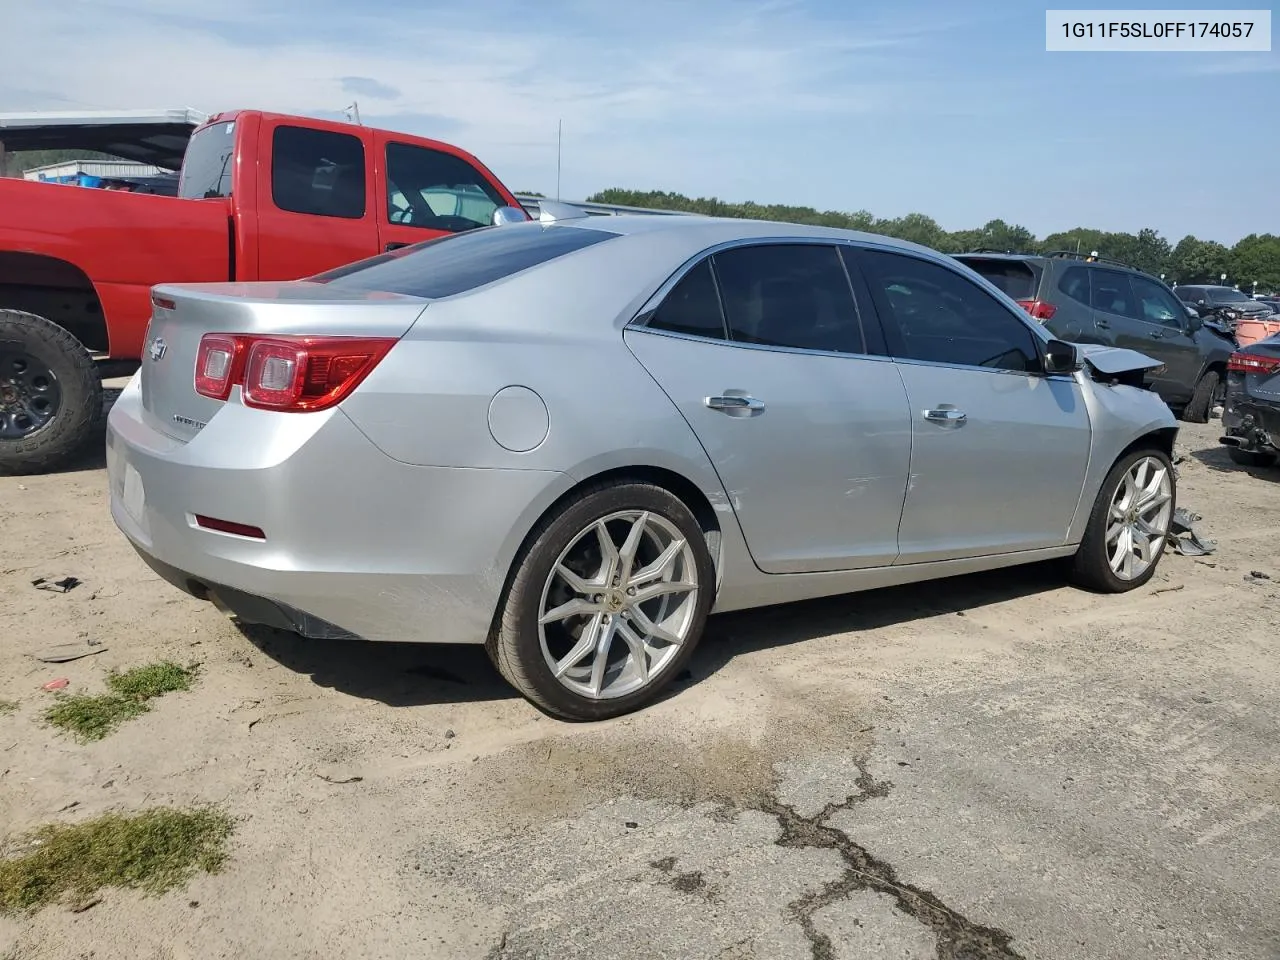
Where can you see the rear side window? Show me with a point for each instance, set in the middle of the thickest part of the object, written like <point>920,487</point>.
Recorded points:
<point>318,172</point>
<point>1112,294</point>
<point>1075,284</point>
<point>789,295</point>
<point>692,306</point>
<point>463,261</point>
<point>206,165</point>
<point>1017,278</point>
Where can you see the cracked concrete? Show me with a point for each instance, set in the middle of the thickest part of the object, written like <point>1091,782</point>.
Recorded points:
<point>992,767</point>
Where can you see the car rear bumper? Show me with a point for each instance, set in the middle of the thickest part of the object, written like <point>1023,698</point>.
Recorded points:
<point>1254,423</point>
<point>356,544</point>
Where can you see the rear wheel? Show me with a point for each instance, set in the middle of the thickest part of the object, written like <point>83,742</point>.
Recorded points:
<point>1129,526</point>
<point>1206,395</point>
<point>606,604</point>
<point>50,394</point>
<point>1251,458</point>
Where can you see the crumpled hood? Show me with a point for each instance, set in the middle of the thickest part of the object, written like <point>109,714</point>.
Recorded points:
<point>1113,361</point>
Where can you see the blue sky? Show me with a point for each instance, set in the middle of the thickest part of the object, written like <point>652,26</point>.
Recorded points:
<point>952,109</point>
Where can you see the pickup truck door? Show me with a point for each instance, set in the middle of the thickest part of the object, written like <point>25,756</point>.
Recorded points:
<point>315,208</point>
<point>428,189</point>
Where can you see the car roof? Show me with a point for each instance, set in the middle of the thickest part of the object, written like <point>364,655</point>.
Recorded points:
<point>710,231</point>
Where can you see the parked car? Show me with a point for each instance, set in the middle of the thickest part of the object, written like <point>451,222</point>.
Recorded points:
<point>1251,416</point>
<point>1087,299</point>
<point>1225,302</point>
<point>261,196</point>
<point>572,440</point>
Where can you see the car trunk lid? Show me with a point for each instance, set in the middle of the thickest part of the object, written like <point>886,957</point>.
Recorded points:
<point>183,315</point>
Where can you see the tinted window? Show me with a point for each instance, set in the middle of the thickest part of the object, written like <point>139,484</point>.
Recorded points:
<point>692,306</point>
<point>1157,304</point>
<point>1017,278</point>
<point>1227,295</point>
<point>460,262</point>
<point>1189,294</point>
<point>206,166</point>
<point>437,191</point>
<point>317,172</point>
<point>1112,294</point>
<point>936,314</point>
<point>1075,284</point>
<point>789,295</point>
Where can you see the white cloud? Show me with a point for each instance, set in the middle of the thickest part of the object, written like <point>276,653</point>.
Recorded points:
<point>613,73</point>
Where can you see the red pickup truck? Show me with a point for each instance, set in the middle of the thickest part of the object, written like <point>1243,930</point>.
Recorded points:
<point>261,196</point>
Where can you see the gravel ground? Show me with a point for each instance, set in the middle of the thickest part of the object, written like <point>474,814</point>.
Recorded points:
<point>994,766</point>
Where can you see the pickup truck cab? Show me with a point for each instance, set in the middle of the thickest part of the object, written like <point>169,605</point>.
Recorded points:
<point>261,196</point>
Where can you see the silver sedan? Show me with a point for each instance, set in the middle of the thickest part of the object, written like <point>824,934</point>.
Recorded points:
<point>572,440</point>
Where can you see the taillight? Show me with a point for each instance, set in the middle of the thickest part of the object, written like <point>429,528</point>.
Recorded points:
<point>215,363</point>
<point>1038,309</point>
<point>290,374</point>
<point>1250,363</point>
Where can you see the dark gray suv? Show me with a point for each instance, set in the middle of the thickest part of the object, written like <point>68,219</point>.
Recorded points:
<point>1089,299</point>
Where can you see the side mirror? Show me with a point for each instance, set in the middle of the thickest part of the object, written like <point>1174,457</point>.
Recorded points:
<point>505,215</point>
<point>1194,323</point>
<point>1060,357</point>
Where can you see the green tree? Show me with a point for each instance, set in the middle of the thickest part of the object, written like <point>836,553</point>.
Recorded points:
<point>1256,258</point>
<point>1199,261</point>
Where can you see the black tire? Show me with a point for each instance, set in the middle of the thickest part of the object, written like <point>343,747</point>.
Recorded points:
<point>1251,458</point>
<point>1200,406</point>
<point>78,409</point>
<point>514,645</point>
<point>1089,566</point>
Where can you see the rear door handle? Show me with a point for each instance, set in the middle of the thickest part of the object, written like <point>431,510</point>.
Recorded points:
<point>394,245</point>
<point>1156,335</point>
<point>1103,324</point>
<point>735,404</point>
<point>945,416</point>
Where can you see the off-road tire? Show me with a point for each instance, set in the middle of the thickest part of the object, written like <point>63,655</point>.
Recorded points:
<point>1251,458</point>
<point>1089,567</point>
<point>65,437</point>
<point>1200,405</point>
<point>513,643</point>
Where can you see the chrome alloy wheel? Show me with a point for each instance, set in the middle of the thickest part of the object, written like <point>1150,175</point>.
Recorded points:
<point>1139,519</point>
<point>618,604</point>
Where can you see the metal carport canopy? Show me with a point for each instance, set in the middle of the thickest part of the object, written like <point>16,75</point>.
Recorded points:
<point>157,137</point>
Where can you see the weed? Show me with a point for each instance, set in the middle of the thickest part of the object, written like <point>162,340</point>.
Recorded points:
<point>92,717</point>
<point>153,851</point>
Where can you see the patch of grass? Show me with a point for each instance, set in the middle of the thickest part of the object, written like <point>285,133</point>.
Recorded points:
<point>7,706</point>
<point>153,851</point>
<point>92,717</point>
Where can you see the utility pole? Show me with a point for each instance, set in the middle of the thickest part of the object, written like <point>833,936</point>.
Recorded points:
<point>559,134</point>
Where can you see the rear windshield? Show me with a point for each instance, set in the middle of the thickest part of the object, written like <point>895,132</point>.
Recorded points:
<point>1017,278</point>
<point>461,262</point>
<point>206,166</point>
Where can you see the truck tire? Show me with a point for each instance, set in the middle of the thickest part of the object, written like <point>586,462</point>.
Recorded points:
<point>50,395</point>
<point>1202,401</point>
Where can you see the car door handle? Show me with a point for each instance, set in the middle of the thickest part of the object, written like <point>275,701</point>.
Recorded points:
<point>394,245</point>
<point>1103,324</point>
<point>1156,335</point>
<point>945,416</point>
<point>735,404</point>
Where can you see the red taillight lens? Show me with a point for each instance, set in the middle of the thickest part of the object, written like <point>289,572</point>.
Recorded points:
<point>215,365</point>
<point>1038,309</point>
<point>1249,363</point>
<point>229,526</point>
<point>291,374</point>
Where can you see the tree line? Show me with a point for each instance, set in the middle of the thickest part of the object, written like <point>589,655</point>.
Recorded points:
<point>1254,259</point>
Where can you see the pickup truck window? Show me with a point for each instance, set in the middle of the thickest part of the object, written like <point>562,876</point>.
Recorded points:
<point>206,166</point>
<point>318,172</point>
<point>437,191</point>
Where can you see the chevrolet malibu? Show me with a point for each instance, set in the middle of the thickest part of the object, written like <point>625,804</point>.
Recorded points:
<point>572,439</point>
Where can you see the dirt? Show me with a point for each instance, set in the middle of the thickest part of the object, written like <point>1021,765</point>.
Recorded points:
<point>343,762</point>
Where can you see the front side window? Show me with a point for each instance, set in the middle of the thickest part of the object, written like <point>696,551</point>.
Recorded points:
<point>1113,294</point>
<point>936,315</point>
<point>1157,304</point>
<point>692,307</point>
<point>793,295</point>
<point>437,191</point>
<point>460,262</point>
<point>318,172</point>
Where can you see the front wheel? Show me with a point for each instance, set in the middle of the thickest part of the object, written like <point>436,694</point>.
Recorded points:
<point>50,394</point>
<point>1128,529</point>
<point>1207,394</point>
<point>606,604</point>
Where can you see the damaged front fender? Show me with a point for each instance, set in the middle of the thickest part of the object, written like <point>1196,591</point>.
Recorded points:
<point>1117,364</point>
